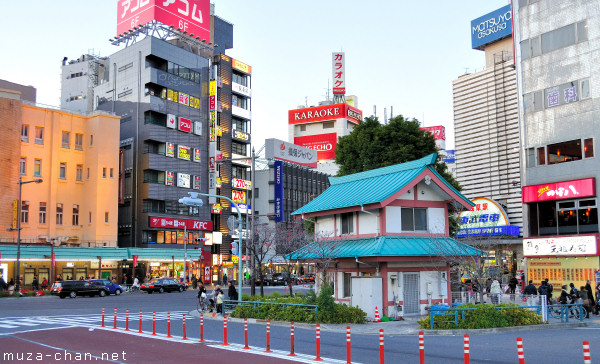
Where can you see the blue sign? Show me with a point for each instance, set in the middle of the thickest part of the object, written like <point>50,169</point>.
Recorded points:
<point>278,167</point>
<point>448,156</point>
<point>491,27</point>
<point>491,230</point>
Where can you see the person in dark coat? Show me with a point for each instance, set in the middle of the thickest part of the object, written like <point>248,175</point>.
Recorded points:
<point>3,285</point>
<point>232,292</point>
<point>35,284</point>
<point>512,286</point>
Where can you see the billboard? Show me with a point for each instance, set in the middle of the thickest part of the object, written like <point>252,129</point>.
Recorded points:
<point>486,218</point>
<point>491,27</point>
<point>183,180</point>
<point>448,156</point>
<point>322,113</point>
<point>184,152</point>
<point>167,222</point>
<point>338,59</point>
<point>278,149</point>
<point>583,245</point>
<point>191,16</point>
<point>171,121</point>
<point>240,66</point>
<point>278,169</point>
<point>560,190</point>
<point>185,125</point>
<point>324,144</point>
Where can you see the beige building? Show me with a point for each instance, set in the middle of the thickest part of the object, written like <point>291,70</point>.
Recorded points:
<point>77,158</point>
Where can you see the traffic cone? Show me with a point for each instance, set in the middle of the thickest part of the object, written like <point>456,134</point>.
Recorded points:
<point>377,315</point>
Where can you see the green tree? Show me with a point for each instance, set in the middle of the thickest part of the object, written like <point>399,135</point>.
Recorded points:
<point>372,145</point>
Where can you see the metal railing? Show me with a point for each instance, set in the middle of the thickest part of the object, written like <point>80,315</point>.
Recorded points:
<point>229,305</point>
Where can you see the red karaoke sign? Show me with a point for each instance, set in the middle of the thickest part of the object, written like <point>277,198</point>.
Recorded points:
<point>327,112</point>
<point>324,144</point>
<point>170,223</point>
<point>191,16</point>
<point>560,190</point>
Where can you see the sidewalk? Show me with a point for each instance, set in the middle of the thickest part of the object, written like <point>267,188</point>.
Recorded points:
<point>409,326</point>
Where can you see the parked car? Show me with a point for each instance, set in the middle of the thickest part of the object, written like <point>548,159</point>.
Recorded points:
<point>161,285</point>
<point>308,278</point>
<point>283,279</point>
<point>78,288</point>
<point>113,288</point>
<point>267,279</point>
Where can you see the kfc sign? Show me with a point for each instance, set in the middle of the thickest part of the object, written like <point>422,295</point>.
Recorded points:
<point>170,223</point>
<point>560,190</point>
<point>339,77</point>
<point>190,16</point>
<point>324,144</point>
<point>322,113</point>
<point>185,125</point>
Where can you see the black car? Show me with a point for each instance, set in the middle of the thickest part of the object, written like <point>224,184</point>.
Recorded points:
<point>112,287</point>
<point>161,285</point>
<point>78,288</point>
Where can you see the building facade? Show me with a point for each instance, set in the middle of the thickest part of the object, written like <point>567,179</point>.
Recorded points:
<point>556,43</point>
<point>486,155</point>
<point>78,79</point>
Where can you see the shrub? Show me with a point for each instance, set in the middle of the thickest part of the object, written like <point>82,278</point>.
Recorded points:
<point>484,317</point>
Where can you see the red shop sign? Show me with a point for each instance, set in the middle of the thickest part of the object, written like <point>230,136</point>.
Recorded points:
<point>324,144</point>
<point>560,190</point>
<point>171,223</point>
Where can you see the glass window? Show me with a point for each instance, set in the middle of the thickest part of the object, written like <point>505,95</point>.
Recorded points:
<point>104,172</point>
<point>541,156</point>
<point>66,139</point>
<point>62,172</point>
<point>564,152</point>
<point>347,223</point>
<point>25,133</point>
<point>588,147</point>
<point>585,88</point>
<point>106,217</point>
<point>329,124</point>
<point>420,219</point>
<point>79,172</point>
<point>88,174</point>
<point>582,31</point>
<point>42,212</point>
<point>567,219</point>
<point>535,47</point>
<point>59,214</point>
<point>112,171</point>
<point>347,280</point>
<point>90,217</point>
<point>538,101</point>
<point>75,215</point>
<point>407,219</point>
<point>239,101</point>
<point>91,140</point>
<point>547,218</point>
<point>23,166</point>
<point>413,219</point>
<point>525,49</point>
<point>24,212</point>
<point>39,135</point>
<point>37,168</point>
<point>530,157</point>
<point>239,148</point>
<point>558,38</point>
<point>79,141</point>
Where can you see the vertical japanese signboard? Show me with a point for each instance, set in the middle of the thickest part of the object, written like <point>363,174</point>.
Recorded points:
<point>339,79</point>
<point>278,168</point>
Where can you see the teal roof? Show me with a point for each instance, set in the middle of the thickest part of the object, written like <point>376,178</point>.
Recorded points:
<point>44,252</point>
<point>385,246</point>
<point>370,187</point>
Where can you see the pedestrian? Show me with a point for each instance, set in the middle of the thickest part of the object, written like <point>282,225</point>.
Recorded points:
<point>530,293</point>
<point>583,292</point>
<point>550,289</point>
<point>543,291</point>
<point>575,294</point>
<point>488,287</point>
<point>512,286</point>
<point>11,287</point>
<point>220,303</point>
<point>496,291</point>
<point>224,279</point>
<point>59,278</point>
<point>3,285</point>
<point>194,281</point>
<point>564,295</point>
<point>45,283</point>
<point>232,292</point>
<point>35,284</point>
<point>124,280</point>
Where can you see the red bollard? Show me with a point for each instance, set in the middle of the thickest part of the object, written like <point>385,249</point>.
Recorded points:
<point>246,334</point>
<point>168,324</point>
<point>292,339</point>
<point>140,330</point>
<point>381,347</point>
<point>154,323</point>
<point>268,337</point>
<point>225,331</point>
<point>348,346</point>
<point>318,333</point>
<point>201,328</point>
<point>466,347</point>
<point>126,319</point>
<point>587,357</point>
<point>184,336</point>
<point>520,353</point>
<point>102,317</point>
<point>421,348</point>
<point>115,324</point>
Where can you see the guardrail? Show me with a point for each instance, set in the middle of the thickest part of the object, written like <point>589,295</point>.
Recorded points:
<point>229,305</point>
<point>554,311</point>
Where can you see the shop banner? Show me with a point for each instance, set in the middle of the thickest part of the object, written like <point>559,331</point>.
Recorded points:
<point>560,190</point>
<point>53,260</point>
<point>324,144</point>
<point>582,245</point>
<point>278,168</point>
<point>135,260</point>
<point>167,222</point>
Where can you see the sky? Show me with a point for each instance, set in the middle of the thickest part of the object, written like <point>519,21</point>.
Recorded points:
<point>401,54</point>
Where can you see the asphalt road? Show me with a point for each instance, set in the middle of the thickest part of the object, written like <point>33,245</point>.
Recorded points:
<point>559,345</point>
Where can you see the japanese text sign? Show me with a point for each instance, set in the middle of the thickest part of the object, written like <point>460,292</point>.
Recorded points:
<point>167,222</point>
<point>560,190</point>
<point>278,149</point>
<point>338,70</point>
<point>567,245</point>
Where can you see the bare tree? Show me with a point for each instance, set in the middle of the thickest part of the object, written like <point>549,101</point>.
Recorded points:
<point>261,249</point>
<point>290,237</point>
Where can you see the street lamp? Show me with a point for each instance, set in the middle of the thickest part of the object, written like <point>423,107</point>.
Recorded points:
<point>21,183</point>
<point>239,244</point>
<point>193,200</point>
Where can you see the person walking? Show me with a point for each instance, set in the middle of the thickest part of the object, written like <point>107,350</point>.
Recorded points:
<point>496,291</point>
<point>45,283</point>
<point>35,284</point>
<point>488,287</point>
<point>224,279</point>
<point>232,292</point>
<point>543,291</point>
<point>512,286</point>
<point>530,293</point>
<point>584,294</point>
<point>3,285</point>
<point>550,289</point>
<point>194,281</point>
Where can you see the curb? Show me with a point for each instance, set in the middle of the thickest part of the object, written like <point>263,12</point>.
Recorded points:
<point>506,329</point>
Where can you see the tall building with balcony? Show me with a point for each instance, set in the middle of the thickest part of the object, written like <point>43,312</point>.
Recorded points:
<point>556,43</point>
<point>76,157</point>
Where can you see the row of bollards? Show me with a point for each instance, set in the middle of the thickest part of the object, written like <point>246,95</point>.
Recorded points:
<point>466,345</point>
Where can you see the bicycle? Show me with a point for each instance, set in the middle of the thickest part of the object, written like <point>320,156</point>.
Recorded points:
<point>204,304</point>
